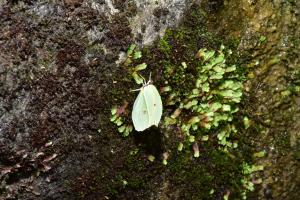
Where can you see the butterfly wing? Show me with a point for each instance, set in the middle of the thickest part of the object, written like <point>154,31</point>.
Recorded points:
<point>153,104</point>
<point>140,114</point>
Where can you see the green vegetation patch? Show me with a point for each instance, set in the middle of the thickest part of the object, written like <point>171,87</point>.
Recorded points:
<point>204,93</point>
<point>201,84</point>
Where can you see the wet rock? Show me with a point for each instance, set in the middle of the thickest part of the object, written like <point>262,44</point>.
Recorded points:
<point>56,64</point>
<point>267,32</point>
<point>153,17</point>
<point>58,75</point>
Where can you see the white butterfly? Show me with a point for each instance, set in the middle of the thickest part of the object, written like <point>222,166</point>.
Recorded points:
<point>147,107</point>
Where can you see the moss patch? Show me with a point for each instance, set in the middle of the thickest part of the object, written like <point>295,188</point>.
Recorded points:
<point>201,88</point>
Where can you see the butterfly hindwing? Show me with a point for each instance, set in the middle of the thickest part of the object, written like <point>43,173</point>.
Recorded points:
<point>154,104</point>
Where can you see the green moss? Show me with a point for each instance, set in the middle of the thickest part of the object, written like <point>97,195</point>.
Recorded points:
<point>202,82</point>
<point>213,170</point>
<point>164,47</point>
<point>136,182</point>
<point>195,179</point>
<point>193,63</point>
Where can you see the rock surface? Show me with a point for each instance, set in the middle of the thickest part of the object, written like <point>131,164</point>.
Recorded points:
<point>58,74</point>
<point>57,61</point>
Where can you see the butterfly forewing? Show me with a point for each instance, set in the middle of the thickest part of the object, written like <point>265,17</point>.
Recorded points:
<point>140,115</point>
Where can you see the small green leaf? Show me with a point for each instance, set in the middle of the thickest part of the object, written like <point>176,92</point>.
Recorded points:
<point>121,129</point>
<point>191,138</point>
<point>257,168</point>
<point>246,122</point>
<point>207,125</point>
<point>196,150</point>
<point>219,59</point>
<point>194,120</point>
<point>113,118</point>
<point>184,65</point>
<point>164,162</point>
<point>134,152</point>
<point>185,128</point>
<point>205,138</point>
<point>140,67</point>
<point>127,131</point>
<point>286,93</point>
<point>230,69</point>
<point>130,49</point>
<point>130,128</point>
<point>180,147</point>
<point>207,67</point>
<point>137,55</point>
<point>194,127</point>
<point>205,55</point>
<point>137,78</point>
<point>151,158</point>
<point>208,55</point>
<point>226,107</point>
<point>262,39</point>
<point>216,76</point>
<point>209,114</point>
<point>227,84</point>
<point>260,154</point>
<point>169,121</point>
<point>221,117</point>
<point>218,69</point>
<point>190,104</point>
<point>128,61</point>
<point>235,145</point>
<point>166,89</point>
<point>230,93</point>
<point>114,110</point>
<point>216,106</point>
<point>226,196</point>
<point>205,87</point>
<point>201,79</point>
<point>250,186</point>
<point>119,121</point>
<point>195,91</point>
<point>221,135</point>
<point>176,113</point>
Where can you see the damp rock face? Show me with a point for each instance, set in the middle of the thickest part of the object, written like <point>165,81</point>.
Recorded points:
<point>59,73</point>
<point>269,38</point>
<point>57,61</point>
<point>153,17</point>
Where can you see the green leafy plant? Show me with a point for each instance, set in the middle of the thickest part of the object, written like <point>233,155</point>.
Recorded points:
<point>207,104</point>
<point>119,114</point>
<point>248,181</point>
<point>133,55</point>
<point>119,120</point>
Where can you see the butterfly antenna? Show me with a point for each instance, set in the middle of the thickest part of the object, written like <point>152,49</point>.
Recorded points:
<point>144,80</point>
<point>150,78</point>
<point>135,90</point>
